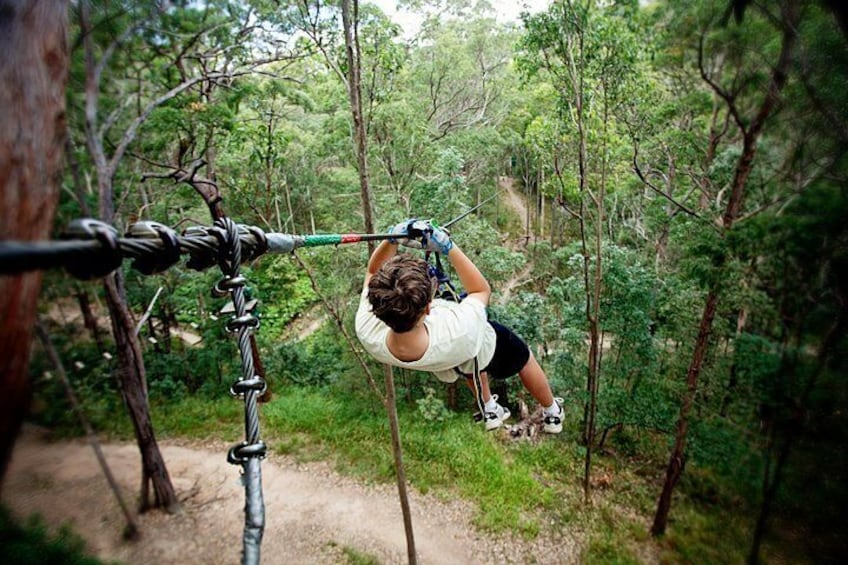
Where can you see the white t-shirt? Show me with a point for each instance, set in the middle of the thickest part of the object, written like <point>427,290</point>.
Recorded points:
<point>458,333</point>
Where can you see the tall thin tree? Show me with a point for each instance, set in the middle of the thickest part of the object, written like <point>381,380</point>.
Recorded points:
<point>350,23</point>
<point>751,130</point>
<point>131,370</point>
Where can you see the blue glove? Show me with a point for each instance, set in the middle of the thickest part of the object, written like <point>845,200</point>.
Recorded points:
<point>424,235</point>
<point>439,241</point>
<point>401,230</point>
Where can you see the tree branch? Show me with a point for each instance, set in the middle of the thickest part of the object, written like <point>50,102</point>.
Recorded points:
<point>662,193</point>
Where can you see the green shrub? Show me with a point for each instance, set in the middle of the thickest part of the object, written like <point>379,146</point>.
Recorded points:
<point>30,543</point>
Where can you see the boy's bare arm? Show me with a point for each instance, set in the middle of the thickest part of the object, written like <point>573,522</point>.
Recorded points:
<point>385,251</point>
<point>469,275</point>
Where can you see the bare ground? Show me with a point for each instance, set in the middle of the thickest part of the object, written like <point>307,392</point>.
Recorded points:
<point>313,514</point>
<point>516,202</point>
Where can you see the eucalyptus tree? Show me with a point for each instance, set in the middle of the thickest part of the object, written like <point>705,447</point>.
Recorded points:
<point>136,59</point>
<point>455,86</point>
<point>587,52</point>
<point>335,31</point>
<point>749,98</point>
<point>33,76</point>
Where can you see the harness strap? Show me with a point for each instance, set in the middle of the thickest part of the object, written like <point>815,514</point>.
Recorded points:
<point>443,279</point>
<point>478,387</point>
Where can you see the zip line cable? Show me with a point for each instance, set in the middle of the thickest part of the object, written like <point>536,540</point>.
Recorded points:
<point>91,248</point>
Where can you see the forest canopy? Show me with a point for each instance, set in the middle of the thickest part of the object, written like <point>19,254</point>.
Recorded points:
<point>658,197</point>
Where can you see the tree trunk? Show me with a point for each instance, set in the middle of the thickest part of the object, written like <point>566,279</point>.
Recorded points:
<point>675,464</point>
<point>33,74</point>
<point>133,379</point>
<point>88,318</point>
<point>167,317</point>
<point>391,408</point>
<point>351,33</point>
<point>132,374</point>
<point>751,135</point>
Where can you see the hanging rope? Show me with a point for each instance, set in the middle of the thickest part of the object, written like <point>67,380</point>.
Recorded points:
<point>250,386</point>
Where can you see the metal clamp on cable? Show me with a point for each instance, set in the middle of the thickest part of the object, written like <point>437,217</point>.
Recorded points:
<point>255,248</point>
<point>237,322</point>
<point>202,257</point>
<point>243,386</point>
<point>102,261</point>
<point>243,451</point>
<point>161,260</point>
<point>223,287</point>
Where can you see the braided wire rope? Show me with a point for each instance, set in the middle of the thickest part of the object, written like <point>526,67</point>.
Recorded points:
<point>250,386</point>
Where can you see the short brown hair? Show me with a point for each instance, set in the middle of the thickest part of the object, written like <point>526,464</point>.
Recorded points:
<point>400,291</point>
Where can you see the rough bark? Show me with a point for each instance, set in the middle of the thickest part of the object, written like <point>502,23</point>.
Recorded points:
<point>131,373</point>
<point>751,134</point>
<point>352,51</point>
<point>33,75</point>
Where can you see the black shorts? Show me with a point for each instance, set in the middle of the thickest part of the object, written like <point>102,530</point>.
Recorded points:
<point>511,353</point>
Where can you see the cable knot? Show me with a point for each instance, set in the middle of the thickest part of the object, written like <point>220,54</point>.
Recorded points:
<point>102,261</point>
<point>203,254</point>
<point>229,245</point>
<point>155,261</point>
<point>243,451</point>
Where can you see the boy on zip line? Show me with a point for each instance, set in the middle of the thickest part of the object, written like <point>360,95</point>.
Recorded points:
<point>401,322</point>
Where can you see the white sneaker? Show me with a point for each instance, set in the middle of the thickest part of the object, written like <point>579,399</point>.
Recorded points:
<point>553,422</point>
<point>494,419</point>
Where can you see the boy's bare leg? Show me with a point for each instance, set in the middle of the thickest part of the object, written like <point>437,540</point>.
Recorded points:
<point>485,392</point>
<point>534,380</point>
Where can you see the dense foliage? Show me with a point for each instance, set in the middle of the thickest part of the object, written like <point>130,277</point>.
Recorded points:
<point>625,127</point>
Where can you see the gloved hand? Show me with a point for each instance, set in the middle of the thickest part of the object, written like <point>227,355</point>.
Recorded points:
<point>424,235</point>
<point>401,230</point>
<point>439,241</point>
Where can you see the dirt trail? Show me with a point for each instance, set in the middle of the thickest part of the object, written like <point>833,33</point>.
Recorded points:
<point>312,512</point>
<point>516,202</point>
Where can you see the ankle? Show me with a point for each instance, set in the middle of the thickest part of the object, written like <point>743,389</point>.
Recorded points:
<point>553,410</point>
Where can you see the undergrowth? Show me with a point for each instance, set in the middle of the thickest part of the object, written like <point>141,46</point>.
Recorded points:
<point>525,488</point>
<point>30,543</point>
